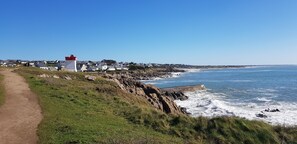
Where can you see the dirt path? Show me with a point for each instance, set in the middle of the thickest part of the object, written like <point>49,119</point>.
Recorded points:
<point>20,114</point>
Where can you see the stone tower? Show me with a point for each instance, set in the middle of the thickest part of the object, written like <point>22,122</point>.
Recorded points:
<point>71,63</point>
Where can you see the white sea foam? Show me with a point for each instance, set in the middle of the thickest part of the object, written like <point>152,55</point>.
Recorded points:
<point>157,80</point>
<point>265,92</point>
<point>263,99</point>
<point>192,70</point>
<point>175,74</point>
<point>154,82</point>
<point>204,103</point>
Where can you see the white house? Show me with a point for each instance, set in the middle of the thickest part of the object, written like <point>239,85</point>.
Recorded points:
<point>120,67</point>
<point>71,63</point>
<point>82,68</point>
<point>31,64</point>
<point>111,68</point>
<point>2,63</point>
<point>41,65</point>
<point>102,66</point>
<point>91,68</point>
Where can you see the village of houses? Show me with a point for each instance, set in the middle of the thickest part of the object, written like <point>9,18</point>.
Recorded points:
<point>72,64</point>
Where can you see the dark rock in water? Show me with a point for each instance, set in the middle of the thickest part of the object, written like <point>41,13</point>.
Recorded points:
<point>261,115</point>
<point>184,98</point>
<point>272,110</point>
<point>186,88</point>
<point>184,110</point>
<point>275,110</point>
<point>176,95</point>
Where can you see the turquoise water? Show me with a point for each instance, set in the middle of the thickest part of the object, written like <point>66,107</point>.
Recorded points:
<point>243,92</point>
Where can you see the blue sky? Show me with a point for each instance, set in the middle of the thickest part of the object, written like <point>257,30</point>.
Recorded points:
<point>164,31</point>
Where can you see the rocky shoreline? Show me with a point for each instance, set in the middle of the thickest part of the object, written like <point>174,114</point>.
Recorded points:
<point>153,73</point>
<point>178,93</point>
<point>186,88</point>
<point>151,93</point>
<point>165,72</point>
<point>162,99</point>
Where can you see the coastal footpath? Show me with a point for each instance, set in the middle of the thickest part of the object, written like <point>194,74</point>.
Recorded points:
<point>2,91</point>
<point>21,113</point>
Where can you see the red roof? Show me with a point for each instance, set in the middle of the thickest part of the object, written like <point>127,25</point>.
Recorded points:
<point>72,57</point>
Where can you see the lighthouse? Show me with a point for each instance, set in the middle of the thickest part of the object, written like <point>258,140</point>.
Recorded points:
<point>71,63</point>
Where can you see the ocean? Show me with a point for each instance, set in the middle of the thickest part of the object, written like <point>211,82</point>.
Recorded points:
<point>242,92</point>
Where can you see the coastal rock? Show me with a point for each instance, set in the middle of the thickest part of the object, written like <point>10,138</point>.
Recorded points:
<point>176,95</point>
<point>185,110</point>
<point>119,84</point>
<point>260,115</point>
<point>90,78</point>
<point>67,77</point>
<point>151,93</point>
<point>186,88</point>
<point>149,74</point>
<point>43,76</point>
<point>272,110</point>
<point>107,76</point>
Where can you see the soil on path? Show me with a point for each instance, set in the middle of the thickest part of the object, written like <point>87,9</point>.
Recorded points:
<point>21,113</point>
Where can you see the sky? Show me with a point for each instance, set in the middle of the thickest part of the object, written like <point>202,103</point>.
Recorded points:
<point>200,32</point>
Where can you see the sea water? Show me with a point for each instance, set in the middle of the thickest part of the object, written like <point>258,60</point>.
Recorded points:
<point>242,92</point>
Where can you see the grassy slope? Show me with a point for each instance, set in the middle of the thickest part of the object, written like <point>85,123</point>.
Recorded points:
<point>79,111</point>
<point>75,112</point>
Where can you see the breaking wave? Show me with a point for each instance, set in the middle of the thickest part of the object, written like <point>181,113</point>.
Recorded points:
<point>205,103</point>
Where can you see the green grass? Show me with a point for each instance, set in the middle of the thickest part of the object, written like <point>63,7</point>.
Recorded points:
<point>2,92</point>
<point>79,111</point>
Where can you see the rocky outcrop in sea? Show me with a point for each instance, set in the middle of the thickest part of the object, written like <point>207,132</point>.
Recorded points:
<point>178,93</point>
<point>155,96</point>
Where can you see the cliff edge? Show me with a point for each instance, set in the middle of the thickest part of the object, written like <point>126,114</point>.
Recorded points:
<point>155,96</point>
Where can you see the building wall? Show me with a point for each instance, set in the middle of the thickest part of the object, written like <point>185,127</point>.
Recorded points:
<point>71,65</point>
